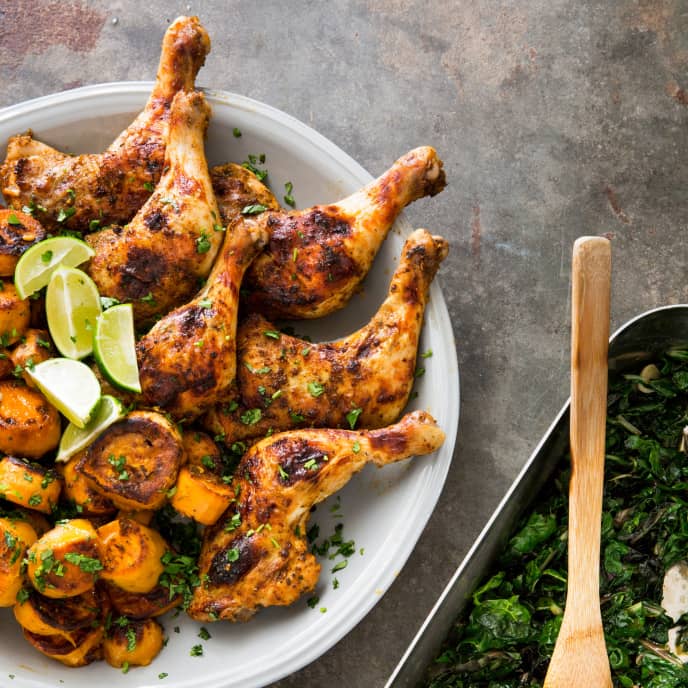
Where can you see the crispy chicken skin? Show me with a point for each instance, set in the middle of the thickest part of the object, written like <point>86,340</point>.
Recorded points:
<point>294,382</point>
<point>187,360</point>
<point>110,186</point>
<point>159,259</point>
<point>235,188</point>
<point>262,561</point>
<point>317,257</point>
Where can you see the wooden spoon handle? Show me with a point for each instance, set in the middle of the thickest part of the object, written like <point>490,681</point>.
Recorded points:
<point>580,655</point>
<point>589,343</point>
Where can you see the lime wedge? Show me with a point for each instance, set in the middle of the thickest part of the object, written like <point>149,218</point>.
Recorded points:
<point>114,347</point>
<point>36,265</point>
<point>74,439</point>
<point>72,306</point>
<point>70,386</point>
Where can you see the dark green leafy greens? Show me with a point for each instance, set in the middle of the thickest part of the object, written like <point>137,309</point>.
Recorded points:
<point>505,637</point>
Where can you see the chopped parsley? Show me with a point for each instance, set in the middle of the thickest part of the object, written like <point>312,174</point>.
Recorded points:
<point>196,651</point>
<point>236,132</point>
<point>232,554</point>
<point>273,334</point>
<point>254,209</point>
<point>203,244</point>
<point>65,213</point>
<point>251,416</point>
<point>352,417</point>
<point>12,219</point>
<point>85,563</point>
<point>315,389</point>
<point>288,198</point>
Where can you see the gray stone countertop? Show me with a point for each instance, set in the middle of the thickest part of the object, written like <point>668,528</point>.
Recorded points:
<point>554,119</point>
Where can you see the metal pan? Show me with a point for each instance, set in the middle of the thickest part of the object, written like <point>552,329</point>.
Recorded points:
<point>639,339</point>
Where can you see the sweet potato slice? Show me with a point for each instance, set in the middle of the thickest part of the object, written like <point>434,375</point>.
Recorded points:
<point>200,492</point>
<point>131,554</point>
<point>141,605</point>
<point>29,484</point>
<point>29,424</point>
<point>84,648</point>
<point>135,644</point>
<point>48,616</point>
<point>135,461</point>
<point>15,537</point>
<point>66,560</point>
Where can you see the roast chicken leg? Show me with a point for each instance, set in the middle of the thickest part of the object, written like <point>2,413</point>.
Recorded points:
<point>187,360</point>
<point>316,258</point>
<point>284,382</point>
<point>66,191</point>
<point>158,260</point>
<point>257,554</point>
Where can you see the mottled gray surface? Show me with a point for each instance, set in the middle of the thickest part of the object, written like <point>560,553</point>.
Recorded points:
<point>554,119</point>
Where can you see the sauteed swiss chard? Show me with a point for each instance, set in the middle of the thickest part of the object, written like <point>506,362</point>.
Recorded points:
<point>505,637</point>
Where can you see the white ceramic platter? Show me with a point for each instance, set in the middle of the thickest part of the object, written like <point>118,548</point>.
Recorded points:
<point>385,510</point>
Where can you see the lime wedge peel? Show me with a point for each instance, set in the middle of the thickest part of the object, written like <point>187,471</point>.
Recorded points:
<point>72,306</point>
<point>74,439</point>
<point>69,385</point>
<point>114,347</point>
<point>38,263</point>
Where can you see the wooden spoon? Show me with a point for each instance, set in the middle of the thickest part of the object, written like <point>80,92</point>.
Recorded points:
<point>580,655</point>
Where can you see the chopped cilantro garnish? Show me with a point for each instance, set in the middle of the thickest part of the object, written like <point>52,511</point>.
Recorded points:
<point>352,417</point>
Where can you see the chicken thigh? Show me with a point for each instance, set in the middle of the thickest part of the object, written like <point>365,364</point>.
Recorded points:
<point>65,191</point>
<point>317,257</point>
<point>187,361</point>
<point>160,258</point>
<point>257,554</point>
<point>284,382</point>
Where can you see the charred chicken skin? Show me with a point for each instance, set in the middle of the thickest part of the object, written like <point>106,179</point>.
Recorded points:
<point>187,361</point>
<point>159,259</point>
<point>284,382</point>
<point>317,257</point>
<point>67,191</point>
<point>253,557</point>
<point>236,188</point>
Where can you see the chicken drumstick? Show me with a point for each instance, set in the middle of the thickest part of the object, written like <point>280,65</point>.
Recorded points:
<point>284,381</point>
<point>159,258</point>
<point>317,257</point>
<point>257,554</point>
<point>67,191</point>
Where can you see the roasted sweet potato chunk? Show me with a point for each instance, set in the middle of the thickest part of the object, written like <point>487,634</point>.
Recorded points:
<point>141,605</point>
<point>48,616</point>
<point>131,554</point>
<point>15,537</point>
<point>134,644</point>
<point>34,348</point>
<point>135,461</point>
<point>29,424</point>
<point>29,484</point>
<point>66,560</point>
<point>84,648</point>
<point>77,489</point>
<point>200,492</point>
<point>15,314</point>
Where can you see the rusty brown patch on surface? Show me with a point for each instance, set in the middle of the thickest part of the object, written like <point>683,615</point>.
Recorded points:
<point>677,93</point>
<point>615,205</point>
<point>30,27</point>
<point>663,19</point>
<point>476,230</point>
<point>609,235</point>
